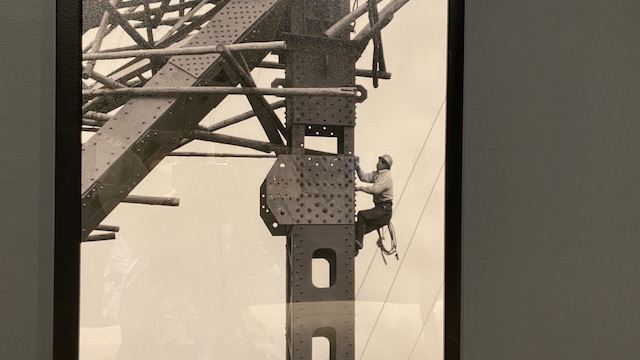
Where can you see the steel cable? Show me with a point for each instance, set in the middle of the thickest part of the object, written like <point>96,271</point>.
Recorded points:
<point>405,185</point>
<point>424,323</point>
<point>395,277</point>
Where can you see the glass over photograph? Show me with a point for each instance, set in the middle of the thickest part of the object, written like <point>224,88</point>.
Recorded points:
<point>263,179</point>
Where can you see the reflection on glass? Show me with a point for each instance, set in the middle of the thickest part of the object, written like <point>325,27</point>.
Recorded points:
<point>207,280</point>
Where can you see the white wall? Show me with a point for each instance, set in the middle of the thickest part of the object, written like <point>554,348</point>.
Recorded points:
<point>27,112</point>
<point>550,185</point>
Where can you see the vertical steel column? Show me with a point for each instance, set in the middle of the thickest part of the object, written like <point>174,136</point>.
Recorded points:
<point>311,61</point>
<point>311,198</point>
<point>321,312</point>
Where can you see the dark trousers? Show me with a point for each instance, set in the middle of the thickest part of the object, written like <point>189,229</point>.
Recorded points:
<point>372,219</point>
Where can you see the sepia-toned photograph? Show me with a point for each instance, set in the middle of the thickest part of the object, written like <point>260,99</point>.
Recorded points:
<point>263,179</point>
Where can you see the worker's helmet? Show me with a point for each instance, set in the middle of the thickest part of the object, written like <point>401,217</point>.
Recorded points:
<point>387,158</point>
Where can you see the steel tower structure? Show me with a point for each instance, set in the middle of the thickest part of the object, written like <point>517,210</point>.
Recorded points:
<point>153,104</point>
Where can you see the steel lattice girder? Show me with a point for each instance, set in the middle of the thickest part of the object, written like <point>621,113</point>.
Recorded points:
<point>145,130</point>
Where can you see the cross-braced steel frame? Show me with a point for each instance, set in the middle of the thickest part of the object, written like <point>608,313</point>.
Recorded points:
<point>186,57</point>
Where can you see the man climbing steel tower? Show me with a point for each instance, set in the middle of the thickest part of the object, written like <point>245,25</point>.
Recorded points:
<point>382,191</point>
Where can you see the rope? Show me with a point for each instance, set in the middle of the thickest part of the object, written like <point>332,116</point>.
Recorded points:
<point>406,183</point>
<point>394,244</point>
<point>395,277</point>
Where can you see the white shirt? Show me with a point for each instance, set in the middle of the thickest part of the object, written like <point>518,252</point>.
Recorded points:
<point>382,188</point>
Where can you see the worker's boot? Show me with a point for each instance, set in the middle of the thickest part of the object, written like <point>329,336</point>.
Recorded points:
<point>358,246</point>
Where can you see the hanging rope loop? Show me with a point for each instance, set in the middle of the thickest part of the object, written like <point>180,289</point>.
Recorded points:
<point>393,250</point>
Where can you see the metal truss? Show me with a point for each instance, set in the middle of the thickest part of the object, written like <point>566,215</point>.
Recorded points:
<point>185,58</point>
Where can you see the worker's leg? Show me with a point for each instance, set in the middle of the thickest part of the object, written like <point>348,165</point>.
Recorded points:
<point>369,220</point>
<point>361,226</point>
<point>374,224</point>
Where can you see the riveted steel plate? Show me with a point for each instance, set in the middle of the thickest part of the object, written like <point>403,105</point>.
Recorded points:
<point>307,69</point>
<point>323,131</point>
<point>306,189</point>
<point>268,217</point>
<point>314,17</point>
<point>235,20</point>
<point>171,75</point>
<point>319,110</point>
<point>309,66</point>
<point>334,243</point>
<point>334,321</point>
<point>118,136</point>
<point>102,196</point>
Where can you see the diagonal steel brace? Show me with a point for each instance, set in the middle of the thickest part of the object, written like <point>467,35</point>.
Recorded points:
<point>261,107</point>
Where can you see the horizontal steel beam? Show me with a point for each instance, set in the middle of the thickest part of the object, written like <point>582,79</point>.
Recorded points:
<point>386,15</point>
<point>152,200</point>
<point>359,72</point>
<point>197,50</point>
<point>168,21</point>
<point>92,123</point>
<point>107,82</point>
<point>136,3</point>
<point>221,155</point>
<point>158,11</point>
<point>266,147</point>
<point>108,228</point>
<point>242,117</point>
<point>344,23</point>
<point>99,237</point>
<point>208,90</point>
<point>94,115</point>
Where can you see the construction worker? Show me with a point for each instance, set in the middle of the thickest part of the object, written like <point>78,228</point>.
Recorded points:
<point>382,191</point>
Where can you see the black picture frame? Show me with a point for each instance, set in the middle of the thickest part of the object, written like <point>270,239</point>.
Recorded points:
<point>68,167</point>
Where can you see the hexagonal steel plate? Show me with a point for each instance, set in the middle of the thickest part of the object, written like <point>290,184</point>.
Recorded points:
<point>310,189</point>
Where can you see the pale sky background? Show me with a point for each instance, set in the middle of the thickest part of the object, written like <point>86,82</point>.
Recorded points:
<point>207,275</point>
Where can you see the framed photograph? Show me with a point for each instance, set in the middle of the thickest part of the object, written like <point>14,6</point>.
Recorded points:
<point>264,179</point>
